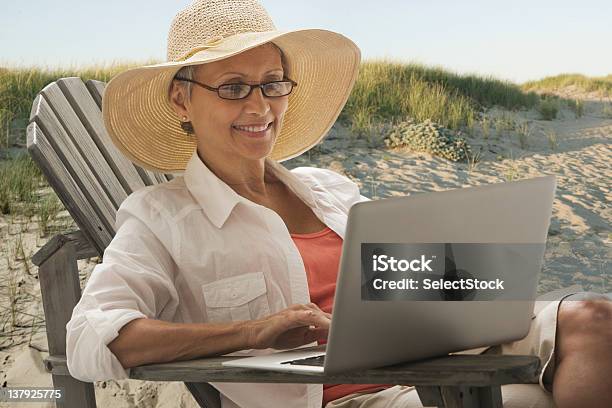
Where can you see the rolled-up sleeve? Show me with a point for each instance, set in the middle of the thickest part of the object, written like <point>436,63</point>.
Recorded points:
<point>135,280</point>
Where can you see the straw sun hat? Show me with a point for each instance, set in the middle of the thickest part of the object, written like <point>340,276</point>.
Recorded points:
<point>142,124</point>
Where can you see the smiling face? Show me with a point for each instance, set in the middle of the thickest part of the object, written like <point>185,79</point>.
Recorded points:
<point>232,128</point>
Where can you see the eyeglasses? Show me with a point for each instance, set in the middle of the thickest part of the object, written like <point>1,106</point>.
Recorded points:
<point>271,89</point>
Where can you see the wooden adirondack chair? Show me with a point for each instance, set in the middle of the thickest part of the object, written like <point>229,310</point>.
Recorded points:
<point>68,141</point>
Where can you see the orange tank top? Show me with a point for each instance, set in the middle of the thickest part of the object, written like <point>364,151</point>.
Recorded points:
<point>320,253</point>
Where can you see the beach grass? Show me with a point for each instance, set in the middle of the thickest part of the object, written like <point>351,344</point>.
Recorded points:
<point>548,108</point>
<point>577,106</point>
<point>385,90</point>
<point>20,85</point>
<point>20,177</point>
<point>389,90</point>
<point>601,85</point>
<point>524,132</point>
<point>607,110</point>
<point>551,136</point>
<point>47,211</point>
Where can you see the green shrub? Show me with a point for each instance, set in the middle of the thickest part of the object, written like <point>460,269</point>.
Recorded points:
<point>429,137</point>
<point>548,108</point>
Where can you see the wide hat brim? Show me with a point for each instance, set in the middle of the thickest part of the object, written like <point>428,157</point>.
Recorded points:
<point>142,124</point>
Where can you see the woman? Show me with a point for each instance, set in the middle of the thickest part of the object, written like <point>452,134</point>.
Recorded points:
<point>238,256</point>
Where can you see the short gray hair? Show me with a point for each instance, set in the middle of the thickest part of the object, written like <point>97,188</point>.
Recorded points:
<point>187,72</point>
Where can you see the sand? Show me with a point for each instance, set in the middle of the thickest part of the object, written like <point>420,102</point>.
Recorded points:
<point>578,251</point>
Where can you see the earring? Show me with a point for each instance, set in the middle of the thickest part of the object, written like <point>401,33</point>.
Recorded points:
<point>186,125</point>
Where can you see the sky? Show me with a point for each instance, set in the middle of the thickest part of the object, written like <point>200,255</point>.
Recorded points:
<point>516,40</point>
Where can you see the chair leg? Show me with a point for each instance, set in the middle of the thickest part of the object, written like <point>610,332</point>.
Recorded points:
<point>205,394</point>
<point>76,394</point>
<point>60,290</point>
<point>430,396</point>
<point>460,396</point>
<point>471,397</point>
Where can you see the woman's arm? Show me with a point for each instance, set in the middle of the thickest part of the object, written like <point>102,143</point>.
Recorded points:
<point>145,341</point>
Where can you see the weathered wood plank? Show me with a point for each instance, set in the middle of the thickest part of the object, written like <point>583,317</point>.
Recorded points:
<point>89,114</point>
<point>68,191</point>
<point>83,148</point>
<point>72,160</point>
<point>56,364</point>
<point>205,395</point>
<point>160,177</point>
<point>77,394</point>
<point>96,90</point>
<point>477,371</point>
<point>471,397</point>
<point>460,397</point>
<point>83,247</point>
<point>60,289</point>
<point>490,397</point>
<point>430,396</point>
<point>452,370</point>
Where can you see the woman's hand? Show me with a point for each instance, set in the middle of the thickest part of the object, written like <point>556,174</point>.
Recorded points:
<point>292,327</point>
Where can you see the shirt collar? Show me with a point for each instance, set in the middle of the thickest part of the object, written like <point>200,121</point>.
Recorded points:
<point>217,199</point>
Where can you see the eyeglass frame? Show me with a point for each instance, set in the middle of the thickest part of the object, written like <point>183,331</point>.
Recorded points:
<point>260,86</point>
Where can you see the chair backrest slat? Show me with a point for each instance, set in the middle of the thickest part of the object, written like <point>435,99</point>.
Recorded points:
<point>96,89</point>
<point>66,188</point>
<point>69,142</point>
<point>83,102</point>
<point>76,142</point>
<point>76,165</point>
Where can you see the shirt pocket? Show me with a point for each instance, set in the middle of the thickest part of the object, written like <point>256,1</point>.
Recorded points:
<point>242,297</point>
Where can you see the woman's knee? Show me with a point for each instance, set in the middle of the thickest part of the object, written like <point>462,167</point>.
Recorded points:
<point>585,319</point>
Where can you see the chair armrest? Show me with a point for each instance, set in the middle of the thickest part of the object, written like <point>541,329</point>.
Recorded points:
<point>84,249</point>
<point>475,370</point>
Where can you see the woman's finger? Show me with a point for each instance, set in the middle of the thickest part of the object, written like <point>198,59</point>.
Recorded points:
<point>310,317</point>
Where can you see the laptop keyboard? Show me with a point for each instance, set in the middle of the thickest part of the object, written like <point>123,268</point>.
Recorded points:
<point>310,361</point>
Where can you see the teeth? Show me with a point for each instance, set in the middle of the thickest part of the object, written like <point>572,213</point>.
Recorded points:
<point>252,128</point>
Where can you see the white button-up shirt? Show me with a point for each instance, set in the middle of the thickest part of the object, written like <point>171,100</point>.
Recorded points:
<point>192,250</point>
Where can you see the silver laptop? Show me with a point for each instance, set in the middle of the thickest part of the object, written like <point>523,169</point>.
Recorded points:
<point>495,232</point>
